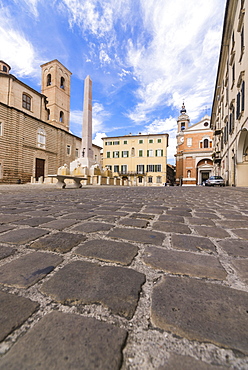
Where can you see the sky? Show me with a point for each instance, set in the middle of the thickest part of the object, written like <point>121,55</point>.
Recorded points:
<point>145,58</point>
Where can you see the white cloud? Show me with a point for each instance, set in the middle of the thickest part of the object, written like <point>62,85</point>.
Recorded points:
<point>16,50</point>
<point>98,138</point>
<point>180,57</point>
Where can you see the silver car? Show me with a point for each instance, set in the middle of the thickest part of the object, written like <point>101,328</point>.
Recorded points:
<point>215,180</point>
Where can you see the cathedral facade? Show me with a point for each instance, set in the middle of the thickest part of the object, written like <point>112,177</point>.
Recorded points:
<point>34,127</point>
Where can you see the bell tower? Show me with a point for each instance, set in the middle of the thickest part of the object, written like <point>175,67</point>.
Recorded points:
<point>56,87</point>
<point>183,120</point>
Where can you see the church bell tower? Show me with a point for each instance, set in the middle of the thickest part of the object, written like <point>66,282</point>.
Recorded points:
<point>56,87</point>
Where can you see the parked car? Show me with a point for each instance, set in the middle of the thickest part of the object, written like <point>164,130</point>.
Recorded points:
<point>215,180</point>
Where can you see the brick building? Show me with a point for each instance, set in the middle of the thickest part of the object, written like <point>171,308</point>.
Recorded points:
<point>194,162</point>
<point>34,127</point>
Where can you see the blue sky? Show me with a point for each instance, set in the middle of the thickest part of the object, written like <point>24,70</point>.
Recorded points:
<point>145,57</point>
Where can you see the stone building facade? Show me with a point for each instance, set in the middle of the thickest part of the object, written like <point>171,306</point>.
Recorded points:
<point>140,160</point>
<point>230,106</point>
<point>34,127</point>
<point>194,162</point>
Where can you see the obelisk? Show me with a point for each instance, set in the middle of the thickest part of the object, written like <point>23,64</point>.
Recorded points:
<point>86,155</point>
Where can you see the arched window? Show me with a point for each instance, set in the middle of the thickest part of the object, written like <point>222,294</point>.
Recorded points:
<point>61,117</point>
<point>205,143</point>
<point>62,83</point>
<point>26,101</point>
<point>5,69</point>
<point>49,79</point>
<point>133,152</point>
<point>41,138</point>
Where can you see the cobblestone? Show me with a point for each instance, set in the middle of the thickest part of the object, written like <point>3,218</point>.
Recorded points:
<point>123,278</point>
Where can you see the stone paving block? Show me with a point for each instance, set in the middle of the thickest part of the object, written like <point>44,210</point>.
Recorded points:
<point>28,269</point>
<point>22,236</point>
<point>134,222</point>
<point>212,232</point>
<point>241,233</point>
<point>60,242</point>
<point>5,227</point>
<point>185,263</point>
<point>210,215</point>
<point>232,224</point>
<point>78,216</point>
<point>6,251</point>
<point>241,266</point>
<point>4,219</point>
<point>33,221</point>
<point>200,221</point>
<point>155,210</point>
<point>179,362</point>
<point>67,341</point>
<point>106,218</point>
<point>172,219</point>
<point>92,227</point>
<point>202,311</point>
<point>59,224</point>
<point>136,235</point>
<point>108,250</point>
<point>171,227</point>
<point>14,311</point>
<point>144,216</point>
<point>192,243</point>
<point>235,247</point>
<point>87,283</point>
<point>179,212</point>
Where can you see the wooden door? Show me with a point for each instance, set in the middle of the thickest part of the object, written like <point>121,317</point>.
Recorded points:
<point>39,168</point>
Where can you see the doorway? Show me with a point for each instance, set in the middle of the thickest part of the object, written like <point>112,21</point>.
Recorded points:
<point>204,176</point>
<point>39,168</point>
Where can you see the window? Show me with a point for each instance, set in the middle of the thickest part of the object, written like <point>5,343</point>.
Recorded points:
<point>61,117</point>
<point>48,114</point>
<point>149,153</point>
<point>125,142</point>
<point>116,142</point>
<point>116,168</point>
<point>108,154</point>
<point>5,69</point>
<point>243,96</point>
<point>140,153</point>
<point>26,101</point>
<point>159,179</point>
<point>233,73</point>
<point>109,167</point>
<point>140,168</point>
<point>124,168</point>
<point>1,128</point>
<point>159,140</point>
<point>124,153</point>
<point>189,141</point>
<point>150,141</point>
<point>133,152</point>
<point>108,143</point>
<point>159,153</point>
<point>238,106</point>
<point>116,154</point>
<point>182,126</point>
<point>49,79</point>
<point>140,179</point>
<point>153,168</point>
<point>62,83</point>
<point>242,40</point>
<point>150,179</point>
<point>205,143</point>
<point>76,152</point>
<point>141,141</point>
<point>41,138</point>
<point>68,149</point>
<point>205,124</point>
<point>231,120</point>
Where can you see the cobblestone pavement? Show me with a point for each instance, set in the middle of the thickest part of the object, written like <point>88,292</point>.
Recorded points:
<point>123,278</point>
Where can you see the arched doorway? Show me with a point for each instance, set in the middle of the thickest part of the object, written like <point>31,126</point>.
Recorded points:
<point>204,170</point>
<point>242,159</point>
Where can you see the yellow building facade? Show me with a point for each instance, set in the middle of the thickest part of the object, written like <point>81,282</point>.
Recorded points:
<point>140,160</point>
<point>230,106</point>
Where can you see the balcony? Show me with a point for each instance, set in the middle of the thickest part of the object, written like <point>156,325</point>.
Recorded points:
<point>131,173</point>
